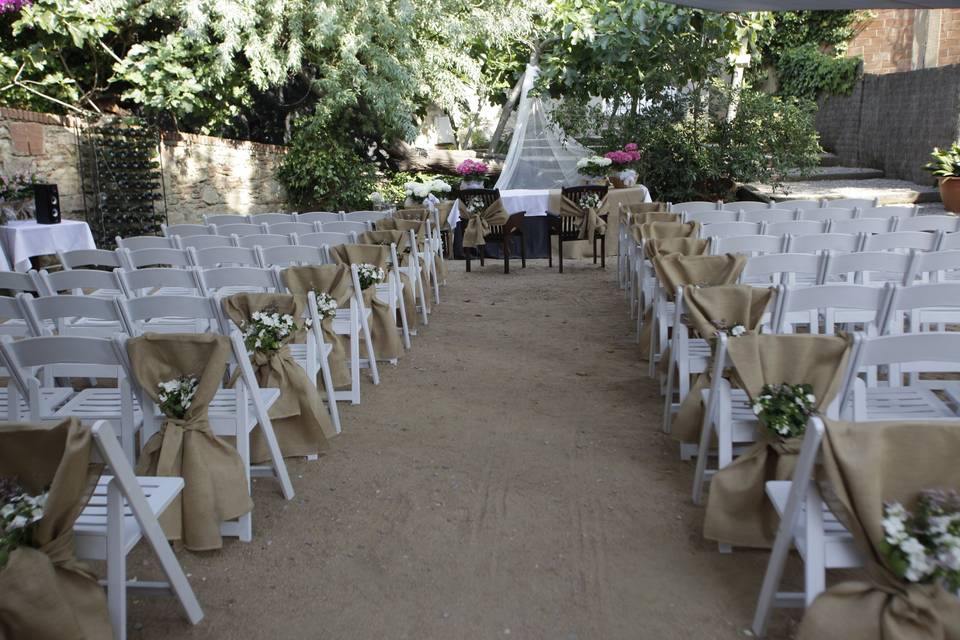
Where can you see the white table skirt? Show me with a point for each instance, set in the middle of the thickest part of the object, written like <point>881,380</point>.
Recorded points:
<point>23,239</point>
<point>534,201</point>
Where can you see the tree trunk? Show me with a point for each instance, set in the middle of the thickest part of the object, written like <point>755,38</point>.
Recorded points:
<point>505,113</point>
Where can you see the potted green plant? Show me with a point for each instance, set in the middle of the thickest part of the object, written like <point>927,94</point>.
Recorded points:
<point>946,167</point>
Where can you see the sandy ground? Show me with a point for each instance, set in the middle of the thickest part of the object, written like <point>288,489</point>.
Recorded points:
<point>507,479</point>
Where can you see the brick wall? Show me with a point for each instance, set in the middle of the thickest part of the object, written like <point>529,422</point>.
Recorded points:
<point>949,36</point>
<point>201,174</point>
<point>885,42</point>
<point>892,121</point>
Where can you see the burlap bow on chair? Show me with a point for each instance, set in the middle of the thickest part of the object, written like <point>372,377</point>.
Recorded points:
<point>299,418</point>
<point>738,511</point>
<point>215,486</point>
<point>335,281</point>
<point>678,270</point>
<point>400,237</point>
<point>480,224</point>
<point>45,592</point>
<point>400,224</point>
<point>712,309</point>
<point>383,327</point>
<point>682,246</point>
<point>409,213</point>
<point>863,466</point>
<point>590,223</point>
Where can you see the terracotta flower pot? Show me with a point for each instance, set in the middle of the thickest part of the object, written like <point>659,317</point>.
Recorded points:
<point>616,182</point>
<point>950,194</point>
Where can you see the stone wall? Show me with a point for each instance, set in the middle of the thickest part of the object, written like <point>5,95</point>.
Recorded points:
<point>895,40</point>
<point>201,174</point>
<point>893,121</point>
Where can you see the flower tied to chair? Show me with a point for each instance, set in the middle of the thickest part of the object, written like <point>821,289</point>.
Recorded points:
<point>299,418</point>
<point>864,468</point>
<point>481,219</point>
<point>215,487</point>
<point>738,511</point>
<point>47,594</point>
<point>383,327</point>
<point>333,280</point>
<point>590,223</point>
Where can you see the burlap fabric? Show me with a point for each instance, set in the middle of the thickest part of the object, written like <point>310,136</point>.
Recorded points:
<point>215,485</point>
<point>479,225</point>
<point>402,240</point>
<point>863,466</point>
<point>383,326</point>
<point>589,221</point>
<point>627,199</point>
<point>410,213</point>
<point>678,270</point>
<point>682,246</point>
<point>709,310</point>
<point>45,592</point>
<point>738,511</point>
<point>335,281</point>
<point>300,419</point>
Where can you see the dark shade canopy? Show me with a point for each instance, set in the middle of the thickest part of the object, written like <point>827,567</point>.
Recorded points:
<point>799,5</point>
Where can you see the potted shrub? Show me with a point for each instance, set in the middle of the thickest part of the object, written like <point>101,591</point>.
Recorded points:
<point>472,173</point>
<point>594,169</point>
<point>622,173</point>
<point>946,167</point>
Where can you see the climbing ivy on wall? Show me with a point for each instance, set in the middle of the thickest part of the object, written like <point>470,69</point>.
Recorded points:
<point>806,72</point>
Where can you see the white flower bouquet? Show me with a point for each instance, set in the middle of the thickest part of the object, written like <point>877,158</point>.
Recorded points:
<point>268,330</point>
<point>590,200</point>
<point>369,275</point>
<point>176,395</point>
<point>785,408</point>
<point>420,191</point>
<point>19,511</point>
<point>326,306</point>
<point>594,165</point>
<point>735,331</point>
<point>924,546</point>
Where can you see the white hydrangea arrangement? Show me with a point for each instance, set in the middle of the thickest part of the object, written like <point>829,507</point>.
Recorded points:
<point>924,546</point>
<point>376,198</point>
<point>593,165</point>
<point>420,191</point>
<point>369,275</point>
<point>19,512</point>
<point>785,408</point>
<point>326,306</point>
<point>268,330</point>
<point>176,395</point>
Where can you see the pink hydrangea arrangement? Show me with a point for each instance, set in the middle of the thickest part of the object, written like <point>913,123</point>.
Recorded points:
<point>472,168</point>
<point>624,157</point>
<point>9,6</point>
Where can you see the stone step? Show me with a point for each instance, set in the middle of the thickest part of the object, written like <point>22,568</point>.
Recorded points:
<point>835,173</point>
<point>887,190</point>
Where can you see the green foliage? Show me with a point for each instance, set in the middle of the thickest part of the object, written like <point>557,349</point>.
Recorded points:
<point>806,72</point>
<point>829,29</point>
<point>325,172</point>
<point>946,163</point>
<point>391,184</point>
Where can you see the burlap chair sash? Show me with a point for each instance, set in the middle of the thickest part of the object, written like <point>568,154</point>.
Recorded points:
<point>418,214</point>
<point>863,466</point>
<point>589,221</point>
<point>738,511</point>
<point>45,592</point>
<point>383,327</point>
<point>638,212</point>
<point>711,309</point>
<point>386,237</point>
<point>682,246</point>
<point>656,230</point>
<point>480,224</point>
<point>399,224</point>
<point>300,420</point>
<point>213,473</point>
<point>335,281</point>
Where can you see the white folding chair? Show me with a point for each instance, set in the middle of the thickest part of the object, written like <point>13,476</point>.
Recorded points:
<point>827,214</point>
<point>795,227</point>
<point>694,206</point>
<point>87,258</point>
<point>322,217</point>
<point>170,314</point>
<point>711,216</point>
<point>727,229</point>
<point>801,204</point>
<point>745,205</point>
<point>936,266</point>
<point>783,268</point>
<point>862,225</point>
<point>140,258</point>
<point>203,242</point>
<point>227,281</point>
<point>187,230</point>
<point>815,243</point>
<point>74,315</point>
<point>218,219</point>
<point>887,212</point>
<point>874,268</point>
<point>748,245</point>
<point>366,216</point>
<point>827,309</point>
<point>345,227</point>
<point>272,218</point>
<point>950,242</point>
<point>903,241</point>
<point>224,257</point>
<point>123,510</point>
<point>81,282</point>
<point>137,283</point>
<point>851,203</point>
<point>325,239</point>
<point>287,256</point>
<point>239,230</point>
<point>146,242</point>
<point>767,216</point>
<point>265,240</point>
<point>412,269</point>
<point>943,223</point>
<point>923,308</point>
<point>287,228</point>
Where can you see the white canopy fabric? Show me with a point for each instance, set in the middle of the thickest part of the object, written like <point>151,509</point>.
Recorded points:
<point>812,5</point>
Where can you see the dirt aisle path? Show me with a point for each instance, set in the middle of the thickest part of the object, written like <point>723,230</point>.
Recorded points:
<point>507,480</point>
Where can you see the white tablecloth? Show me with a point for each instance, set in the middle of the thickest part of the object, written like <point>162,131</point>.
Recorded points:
<point>534,201</point>
<point>23,239</point>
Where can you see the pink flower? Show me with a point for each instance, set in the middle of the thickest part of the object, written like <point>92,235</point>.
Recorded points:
<point>630,146</point>
<point>472,167</point>
<point>9,6</point>
<point>619,157</point>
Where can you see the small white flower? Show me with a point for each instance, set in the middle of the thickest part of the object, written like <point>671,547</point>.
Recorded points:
<point>738,330</point>
<point>757,408</point>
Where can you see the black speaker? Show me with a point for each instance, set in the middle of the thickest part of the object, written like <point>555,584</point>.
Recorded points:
<point>47,199</point>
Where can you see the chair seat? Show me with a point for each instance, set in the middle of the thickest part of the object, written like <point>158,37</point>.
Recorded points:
<point>90,529</point>
<point>840,550</point>
<point>50,399</point>
<point>299,352</point>
<point>905,403</point>
<point>96,403</point>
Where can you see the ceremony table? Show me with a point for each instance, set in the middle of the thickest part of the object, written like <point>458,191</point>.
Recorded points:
<point>23,239</point>
<point>536,203</point>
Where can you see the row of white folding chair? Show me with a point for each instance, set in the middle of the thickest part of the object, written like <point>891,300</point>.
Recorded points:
<point>313,216</point>
<point>280,228</point>
<point>696,206</point>
<point>839,242</point>
<point>945,223</point>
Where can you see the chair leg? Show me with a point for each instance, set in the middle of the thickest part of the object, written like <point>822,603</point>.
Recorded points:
<point>550,253</point>
<point>594,249</point>
<point>506,253</point>
<point>560,252</point>
<point>467,257</point>
<point>481,251</point>
<point>523,251</point>
<point>603,252</point>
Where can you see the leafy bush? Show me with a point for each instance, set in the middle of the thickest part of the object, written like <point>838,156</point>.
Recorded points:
<point>390,185</point>
<point>805,72</point>
<point>323,171</point>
